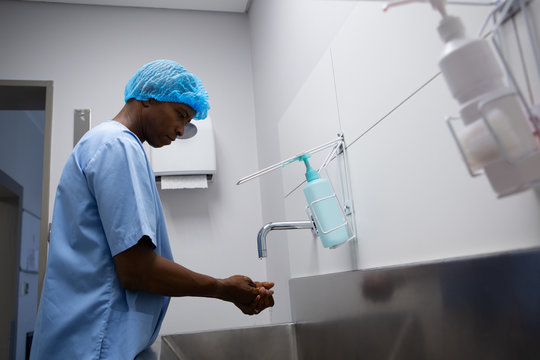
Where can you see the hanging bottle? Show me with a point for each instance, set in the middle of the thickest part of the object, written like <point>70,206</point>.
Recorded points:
<point>324,207</point>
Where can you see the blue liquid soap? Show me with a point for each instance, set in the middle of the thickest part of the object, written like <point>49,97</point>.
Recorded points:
<point>324,208</point>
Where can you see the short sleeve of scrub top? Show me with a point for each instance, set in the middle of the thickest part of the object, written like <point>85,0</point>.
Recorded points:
<point>117,177</point>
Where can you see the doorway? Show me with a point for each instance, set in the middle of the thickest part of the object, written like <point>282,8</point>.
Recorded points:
<point>9,230</point>
<point>25,133</point>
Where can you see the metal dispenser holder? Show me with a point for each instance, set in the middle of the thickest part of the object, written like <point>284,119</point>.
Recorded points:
<point>450,120</point>
<point>343,196</point>
<point>317,223</point>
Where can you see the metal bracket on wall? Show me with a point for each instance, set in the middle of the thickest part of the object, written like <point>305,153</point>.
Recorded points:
<point>81,124</point>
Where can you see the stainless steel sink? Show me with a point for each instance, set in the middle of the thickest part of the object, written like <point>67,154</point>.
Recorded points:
<point>472,308</point>
<point>383,336</point>
<point>263,342</point>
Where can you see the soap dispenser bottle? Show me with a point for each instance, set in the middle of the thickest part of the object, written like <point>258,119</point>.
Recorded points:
<point>324,207</point>
<point>496,125</point>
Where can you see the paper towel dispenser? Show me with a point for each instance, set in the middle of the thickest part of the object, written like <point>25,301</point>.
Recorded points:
<point>194,156</point>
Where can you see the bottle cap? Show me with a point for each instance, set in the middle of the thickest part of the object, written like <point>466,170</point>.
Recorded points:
<point>450,28</point>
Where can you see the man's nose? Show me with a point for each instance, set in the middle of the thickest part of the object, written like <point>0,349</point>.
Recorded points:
<point>180,131</point>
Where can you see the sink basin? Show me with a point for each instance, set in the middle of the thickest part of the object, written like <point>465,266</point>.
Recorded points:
<point>263,342</point>
<point>381,336</point>
<point>475,308</point>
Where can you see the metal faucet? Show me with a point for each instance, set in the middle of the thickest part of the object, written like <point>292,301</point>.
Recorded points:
<point>283,225</point>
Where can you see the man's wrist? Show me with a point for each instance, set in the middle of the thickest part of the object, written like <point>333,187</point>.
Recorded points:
<point>219,290</point>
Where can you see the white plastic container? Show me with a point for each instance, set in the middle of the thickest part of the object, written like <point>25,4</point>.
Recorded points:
<point>496,124</point>
<point>496,135</point>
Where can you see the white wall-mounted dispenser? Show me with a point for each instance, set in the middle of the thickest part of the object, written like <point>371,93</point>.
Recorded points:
<point>497,132</point>
<point>186,163</point>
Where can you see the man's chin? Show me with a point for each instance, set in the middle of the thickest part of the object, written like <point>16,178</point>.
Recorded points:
<point>156,146</point>
<point>161,143</point>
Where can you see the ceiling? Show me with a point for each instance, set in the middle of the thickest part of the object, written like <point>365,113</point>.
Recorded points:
<point>237,6</point>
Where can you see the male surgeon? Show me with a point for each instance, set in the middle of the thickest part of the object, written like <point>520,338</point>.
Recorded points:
<point>110,271</point>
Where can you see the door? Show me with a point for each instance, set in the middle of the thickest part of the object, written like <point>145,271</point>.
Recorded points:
<point>9,235</point>
<point>25,119</point>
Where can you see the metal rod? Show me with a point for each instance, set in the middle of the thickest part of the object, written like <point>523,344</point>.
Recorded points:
<point>523,62</point>
<point>532,40</point>
<point>490,15</point>
<point>331,155</point>
<point>281,163</point>
<point>472,3</point>
<point>512,79</point>
<point>503,14</point>
<point>340,145</point>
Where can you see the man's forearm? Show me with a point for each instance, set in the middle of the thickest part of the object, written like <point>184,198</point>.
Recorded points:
<point>141,269</point>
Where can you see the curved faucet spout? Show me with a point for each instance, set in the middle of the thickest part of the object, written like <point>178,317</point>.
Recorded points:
<point>283,225</point>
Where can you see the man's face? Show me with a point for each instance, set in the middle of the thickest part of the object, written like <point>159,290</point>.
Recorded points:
<point>164,121</point>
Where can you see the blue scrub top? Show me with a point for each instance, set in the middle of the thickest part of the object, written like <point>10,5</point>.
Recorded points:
<point>105,203</point>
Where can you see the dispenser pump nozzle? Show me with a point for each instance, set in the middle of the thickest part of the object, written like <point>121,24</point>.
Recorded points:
<point>311,173</point>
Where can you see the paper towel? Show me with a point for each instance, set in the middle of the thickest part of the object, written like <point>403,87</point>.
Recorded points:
<point>184,182</point>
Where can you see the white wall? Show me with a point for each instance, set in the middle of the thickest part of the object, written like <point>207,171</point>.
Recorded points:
<point>90,52</point>
<point>287,40</point>
<point>342,66</point>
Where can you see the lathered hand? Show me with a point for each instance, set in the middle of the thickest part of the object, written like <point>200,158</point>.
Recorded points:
<point>263,300</point>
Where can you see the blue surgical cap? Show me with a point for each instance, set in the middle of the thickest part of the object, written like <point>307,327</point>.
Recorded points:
<point>168,81</point>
